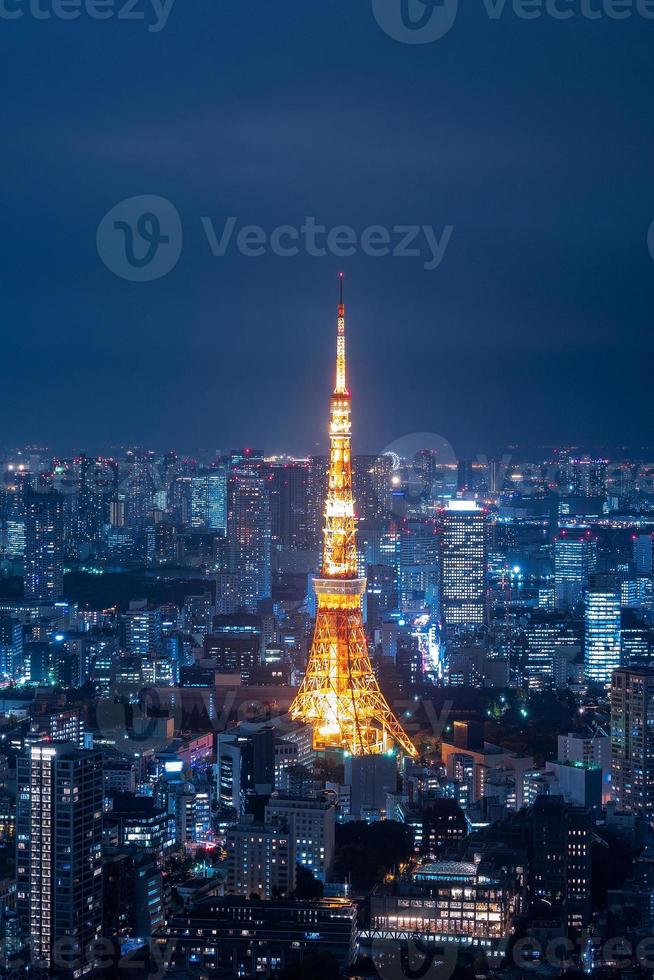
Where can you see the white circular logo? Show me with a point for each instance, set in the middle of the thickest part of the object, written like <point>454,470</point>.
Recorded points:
<point>419,460</point>
<point>415,21</point>
<point>140,239</point>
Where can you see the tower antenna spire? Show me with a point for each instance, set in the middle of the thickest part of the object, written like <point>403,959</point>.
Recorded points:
<point>341,385</point>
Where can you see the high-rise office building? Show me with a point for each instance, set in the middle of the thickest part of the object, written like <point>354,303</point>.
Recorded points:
<point>15,537</point>
<point>311,825</point>
<point>236,644</point>
<point>98,479</point>
<point>463,564</point>
<point>143,628</point>
<point>249,536</point>
<point>548,635</point>
<point>465,482</point>
<point>370,778</point>
<point>11,645</point>
<point>561,859</point>
<point>162,540</point>
<point>601,629</point>
<point>418,566</point>
<point>317,497</point>
<point>588,750</point>
<point>588,476</point>
<point>381,593</point>
<point>44,546</point>
<point>117,512</point>
<point>260,860</point>
<point>642,550</point>
<point>59,857</point>
<point>245,764</point>
<point>208,497</point>
<point>170,467</point>
<point>132,896</point>
<point>371,485</point>
<point>197,613</point>
<point>199,500</point>
<point>141,485</point>
<point>180,497</point>
<point>632,740</point>
<point>289,499</point>
<point>217,499</point>
<point>575,559</point>
<point>636,640</point>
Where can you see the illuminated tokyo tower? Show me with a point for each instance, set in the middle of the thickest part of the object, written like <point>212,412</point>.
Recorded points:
<point>340,695</point>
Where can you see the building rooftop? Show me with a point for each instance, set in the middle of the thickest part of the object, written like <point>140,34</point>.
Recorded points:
<point>446,870</point>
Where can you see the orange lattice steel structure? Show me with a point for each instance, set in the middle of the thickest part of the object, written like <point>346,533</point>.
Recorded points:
<point>340,695</point>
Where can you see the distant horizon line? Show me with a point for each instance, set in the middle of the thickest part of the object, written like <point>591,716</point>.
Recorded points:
<point>593,450</point>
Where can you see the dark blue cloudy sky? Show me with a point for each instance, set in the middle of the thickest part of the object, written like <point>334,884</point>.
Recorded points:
<point>534,139</point>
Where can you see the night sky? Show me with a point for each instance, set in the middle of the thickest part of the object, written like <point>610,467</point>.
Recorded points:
<point>534,139</point>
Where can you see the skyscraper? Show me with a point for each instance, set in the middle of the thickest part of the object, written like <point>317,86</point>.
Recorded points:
<point>44,546</point>
<point>310,824</point>
<point>602,620</point>
<point>289,506</point>
<point>217,499</point>
<point>59,857</point>
<point>260,860</point>
<point>249,536</point>
<point>97,481</point>
<point>141,485</point>
<point>199,500</point>
<point>561,859</point>
<point>642,549</point>
<point>209,499</point>
<point>11,645</point>
<point>142,628</point>
<point>235,643</point>
<point>340,694</point>
<point>317,495</point>
<point>371,481</point>
<point>588,476</point>
<point>575,559</point>
<point>632,740</point>
<point>548,634</point>
<point>418,567</point>
<point>463,564</point>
